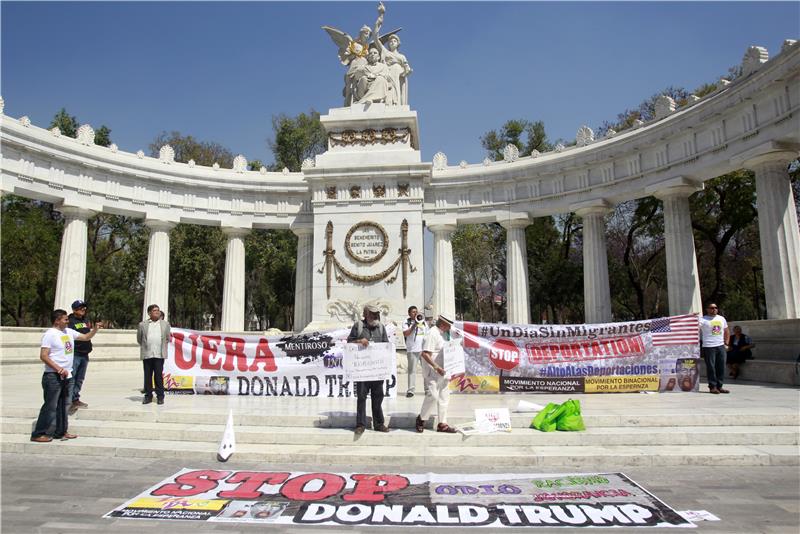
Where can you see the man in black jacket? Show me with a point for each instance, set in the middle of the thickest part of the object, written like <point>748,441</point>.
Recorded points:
<point>370,330</point>
<point>78,322</point>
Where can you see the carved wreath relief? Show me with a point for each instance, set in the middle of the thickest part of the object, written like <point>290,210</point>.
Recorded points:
<point>367,242</point>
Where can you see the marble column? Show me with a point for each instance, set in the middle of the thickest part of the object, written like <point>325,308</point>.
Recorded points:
<point>71,282</point>
<point>517,292</point>
<point>683,281</point>
<point>444,295</point>
<point>303,293</point>
<point>156,284</point>
<point>596,290</point>
<point>233,290</point>
<point>779,234</point>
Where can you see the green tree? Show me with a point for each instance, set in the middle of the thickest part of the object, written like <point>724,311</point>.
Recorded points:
<point>187,148</point>
<point>270,266</point>
<point>295,139</point>
<point>66,123</point>
<point>479,259</point>
<point>526,135</point>
<point>30,248</point>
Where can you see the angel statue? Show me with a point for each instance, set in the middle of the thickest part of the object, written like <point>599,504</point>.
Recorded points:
<point>369,77</point>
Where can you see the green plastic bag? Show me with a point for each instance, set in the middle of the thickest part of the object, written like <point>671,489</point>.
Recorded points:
<point>546,419</point>
<point>571,419</point>
<point>566,417</point>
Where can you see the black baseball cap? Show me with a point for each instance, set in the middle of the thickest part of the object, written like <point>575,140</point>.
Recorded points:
<point>79,304</point>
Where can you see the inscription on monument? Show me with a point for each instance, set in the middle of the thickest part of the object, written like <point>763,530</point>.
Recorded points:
<point>366,242</point>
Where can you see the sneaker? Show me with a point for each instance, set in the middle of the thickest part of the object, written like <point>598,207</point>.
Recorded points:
<point>359,430</point>
<point>147,400</point>
<point>444,427</point>
<point>409,394</point>
<point>721,390</point>
<point>79,404</point>
<point>42,439</point>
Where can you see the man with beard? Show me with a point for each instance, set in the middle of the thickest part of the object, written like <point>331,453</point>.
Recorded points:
<point>366,331</point>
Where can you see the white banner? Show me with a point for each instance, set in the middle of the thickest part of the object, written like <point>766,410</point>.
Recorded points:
<point>305,365</point>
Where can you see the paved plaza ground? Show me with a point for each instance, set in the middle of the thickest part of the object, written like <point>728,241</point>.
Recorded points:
<point>70,494</point>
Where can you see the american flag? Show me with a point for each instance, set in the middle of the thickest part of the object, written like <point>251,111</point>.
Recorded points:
<point>677,330</point>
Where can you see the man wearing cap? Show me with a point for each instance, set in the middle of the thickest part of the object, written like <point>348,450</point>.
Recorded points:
<point>56,352</point>
<point>366,331</point>
<point>80,362</point>
<point>438,392</point>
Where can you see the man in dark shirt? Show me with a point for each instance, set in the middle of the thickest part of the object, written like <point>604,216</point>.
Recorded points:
<point>363,332</point>
<point>78,322</point>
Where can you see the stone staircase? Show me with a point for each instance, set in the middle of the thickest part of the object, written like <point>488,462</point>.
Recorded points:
<point>757,424</point>
<point>625,430</point>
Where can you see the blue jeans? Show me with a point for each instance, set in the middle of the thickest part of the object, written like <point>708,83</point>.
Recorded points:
<point>79,364</point>
<point>57,398</point>
<point>715,365</point>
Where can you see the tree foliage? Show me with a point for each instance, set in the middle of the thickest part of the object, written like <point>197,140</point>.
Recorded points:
<point>187,148</point>
<point>68,125</point>
<point>295,139</point>
<point>526,135</point>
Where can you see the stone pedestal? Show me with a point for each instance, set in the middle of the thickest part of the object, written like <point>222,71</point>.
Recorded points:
<point>156,284</point>
<point>302,289</point>
<point>71,281</point>
<point>366,202</point>
<point>683,281</point>
<point>517,292</point>
<point>444,296</point>
<point>596,290</point>
<point>779,234</point>
<point>233,292</point>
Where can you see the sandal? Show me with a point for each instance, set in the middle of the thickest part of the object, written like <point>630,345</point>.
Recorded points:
<point>447,429</point>
<point>419,424</point>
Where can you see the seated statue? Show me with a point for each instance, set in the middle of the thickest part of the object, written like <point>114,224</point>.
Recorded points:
<point>372,82</point>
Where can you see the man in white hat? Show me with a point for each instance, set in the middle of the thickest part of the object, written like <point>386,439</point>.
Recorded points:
<point>437,393</point>
<point>366,331</point>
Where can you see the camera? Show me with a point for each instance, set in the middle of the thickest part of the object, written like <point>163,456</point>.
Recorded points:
<point>420,318</point>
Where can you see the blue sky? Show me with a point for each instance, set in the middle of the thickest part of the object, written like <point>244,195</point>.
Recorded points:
<point>219,71</point>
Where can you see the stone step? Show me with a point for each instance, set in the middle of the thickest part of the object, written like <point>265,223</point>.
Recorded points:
<point>346,419</point>
<point>594,457</point>
<point>739,435</point>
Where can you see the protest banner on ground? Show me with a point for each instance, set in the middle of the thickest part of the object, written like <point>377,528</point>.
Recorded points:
<point>305,365</point>
<point>376,361</point>
<point>653,355</point>
<point>393,499</point>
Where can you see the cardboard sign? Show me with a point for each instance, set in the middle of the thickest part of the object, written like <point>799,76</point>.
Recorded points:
<point>376,361</point>
<point>453,358</point>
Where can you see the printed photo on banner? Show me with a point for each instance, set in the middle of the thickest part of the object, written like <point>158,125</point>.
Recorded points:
<point>304,365</point>
<point>328,499</point>
<point>623,357</point>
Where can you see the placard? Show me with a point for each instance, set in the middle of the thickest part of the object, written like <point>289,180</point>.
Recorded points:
<point>453,358</point>
<point>376,361</point>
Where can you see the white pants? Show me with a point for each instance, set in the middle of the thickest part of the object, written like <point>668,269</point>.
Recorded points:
<point>413,358</point>
<point>437,394</point>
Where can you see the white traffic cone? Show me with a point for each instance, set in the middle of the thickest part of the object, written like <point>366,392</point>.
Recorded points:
<point>228,444</point>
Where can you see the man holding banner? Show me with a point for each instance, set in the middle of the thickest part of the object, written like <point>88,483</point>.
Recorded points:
<point>436,343</point>
<point>369,330</point>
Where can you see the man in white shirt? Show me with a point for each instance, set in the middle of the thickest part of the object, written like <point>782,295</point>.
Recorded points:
<point>57,353</point>
<point>152,335</point>
<point>414,331</point>
<point>715,337</point>
<point>437,393</point>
